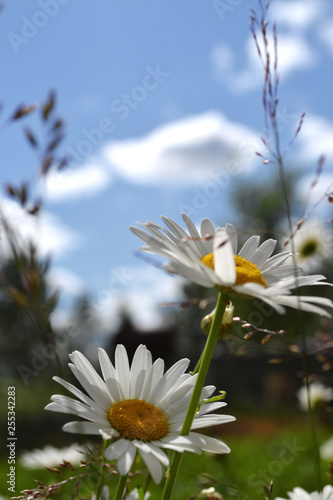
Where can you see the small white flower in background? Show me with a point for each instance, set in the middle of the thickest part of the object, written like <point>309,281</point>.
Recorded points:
<point>134,495</point>
<point>104,494</point>
<point>208,494</point>
<point>313,243</point>
<point>319,395</point>
<point>326,449</point>
<point>49,456</point>
<point>140,407</point>
<point>300,494</point>
<point>210,259</point>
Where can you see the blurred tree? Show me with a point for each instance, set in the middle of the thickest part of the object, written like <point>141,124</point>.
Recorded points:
<point>26,302</point>
<point>261,207</point>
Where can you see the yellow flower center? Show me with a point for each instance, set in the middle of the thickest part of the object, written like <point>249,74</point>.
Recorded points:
<point>246,272</point>
<point>137,419</point>
<point>309,248</point>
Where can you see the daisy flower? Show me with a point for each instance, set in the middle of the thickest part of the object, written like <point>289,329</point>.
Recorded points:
<point>210,258</point>
<point>134,495</point>
<point>300,494</point>
<point>104,494</point>
<point>140,408</point>
<point>326,449</point>
<point>50,456</point>
<point>312,244</point>
<point>319,395</point>
<point>208,494</point>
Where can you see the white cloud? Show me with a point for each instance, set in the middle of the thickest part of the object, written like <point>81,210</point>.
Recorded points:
<point>66,281</point>
<point>45,231</point>
<point>325,33</point>
<point>223,58</point>
<point>315,138</point>
<point>70,184</point>
<point>294,53</point>
<point>297,14</point>
<point>147,289</point>
<point>141,296</point>
<point>183,151</point>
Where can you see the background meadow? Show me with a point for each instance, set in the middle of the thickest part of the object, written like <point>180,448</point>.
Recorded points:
<point>146,110</point>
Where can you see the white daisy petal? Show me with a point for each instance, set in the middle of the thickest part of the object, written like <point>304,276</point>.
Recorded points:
<point>140,233</point>
<point>249,248</point>
<point>224,259</point>
<point>153,377</point>
<point>80,427</point>
<point>79,394</point>
<point>107,368</point>
<point>110,376</point>
<point>118,448</point>
<point>153,465</point>
<point>69,405</point>
<point>207,233</point>
<point>232,235</point>
<point>210,420</point>
<point>93,384</point>
<point>122,369</point>
<point>207,392</point>
<point>180,446</point>
<point>264,252</point>
<point>208,407</point>
<point>138,371</point>
<point>177,442</point>
<point>194,235</point>
<point>154,450</point>
<point>212,445</point>
<point>275,261</point>
<point>302,303</point>
<point>195,275</point>
<point>168,380</point>
<point>179,400</point>
<point>125,461</point>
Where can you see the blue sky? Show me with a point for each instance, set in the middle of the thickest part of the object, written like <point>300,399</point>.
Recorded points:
<point>163,108</point>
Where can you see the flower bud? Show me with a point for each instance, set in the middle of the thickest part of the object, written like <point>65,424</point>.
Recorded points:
<point>226,324</point>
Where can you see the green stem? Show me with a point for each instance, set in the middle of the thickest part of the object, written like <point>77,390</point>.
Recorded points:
<point>120,487</point>
<point>313,430</point>
<point>195,399</point>
<point>172,475</point>
<point>197,366</point>
<point>101,473</point>
<point>146,484</point>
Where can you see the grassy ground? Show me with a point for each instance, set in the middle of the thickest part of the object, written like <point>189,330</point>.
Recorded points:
<point>263,449</point>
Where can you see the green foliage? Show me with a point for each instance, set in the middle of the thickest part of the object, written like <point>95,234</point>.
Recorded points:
<point>263,449</point>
